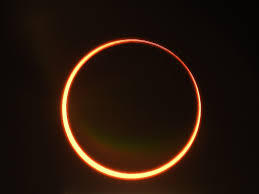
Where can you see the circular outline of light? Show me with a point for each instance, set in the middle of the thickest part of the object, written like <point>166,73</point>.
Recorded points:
<point>99,167</point>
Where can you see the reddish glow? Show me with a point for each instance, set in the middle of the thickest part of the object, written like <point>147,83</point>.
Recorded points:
<point>101,168</point>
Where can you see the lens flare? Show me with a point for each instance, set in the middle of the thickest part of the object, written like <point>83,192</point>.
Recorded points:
<point>99,167</point>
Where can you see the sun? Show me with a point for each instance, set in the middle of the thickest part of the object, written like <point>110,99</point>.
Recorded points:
<point>99,167</point>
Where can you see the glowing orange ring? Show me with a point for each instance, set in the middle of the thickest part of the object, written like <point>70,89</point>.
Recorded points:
<point>87,159</point>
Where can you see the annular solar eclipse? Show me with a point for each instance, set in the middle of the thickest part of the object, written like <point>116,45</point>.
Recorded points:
<point>100,167</point>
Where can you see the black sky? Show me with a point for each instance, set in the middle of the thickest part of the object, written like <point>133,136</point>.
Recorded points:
<point>217,40</point>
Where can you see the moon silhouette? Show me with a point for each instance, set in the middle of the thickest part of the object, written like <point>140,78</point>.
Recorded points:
<point>99,167</point>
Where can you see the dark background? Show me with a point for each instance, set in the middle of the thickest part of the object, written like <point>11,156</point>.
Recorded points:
<point>134,106</point>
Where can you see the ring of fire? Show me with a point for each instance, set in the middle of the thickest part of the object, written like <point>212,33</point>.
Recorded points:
<point>99,167</point>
